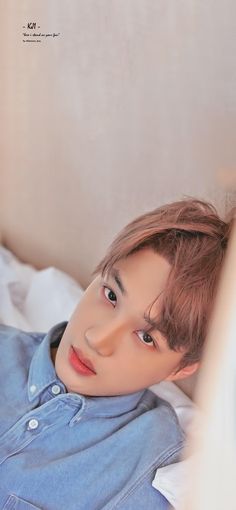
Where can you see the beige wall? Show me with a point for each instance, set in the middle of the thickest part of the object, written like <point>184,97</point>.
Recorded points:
<point>132,105</point>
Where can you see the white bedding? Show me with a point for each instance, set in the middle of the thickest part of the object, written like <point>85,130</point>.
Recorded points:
<point>23,305</point>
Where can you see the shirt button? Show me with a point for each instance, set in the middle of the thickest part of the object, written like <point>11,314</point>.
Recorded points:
<point>33,388</point>
<point>33,424</point>
<point>56,389</point>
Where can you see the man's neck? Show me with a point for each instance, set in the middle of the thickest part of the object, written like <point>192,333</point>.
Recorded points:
<point>53,354</point>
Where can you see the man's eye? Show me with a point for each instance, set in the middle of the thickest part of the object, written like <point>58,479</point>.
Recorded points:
<point>109,294</point>
<point>145,338</point>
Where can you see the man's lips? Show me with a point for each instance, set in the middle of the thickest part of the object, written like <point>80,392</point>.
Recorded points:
<point>79,362</point>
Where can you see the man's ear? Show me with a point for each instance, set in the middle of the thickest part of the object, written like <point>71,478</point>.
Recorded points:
<point>183,372</point>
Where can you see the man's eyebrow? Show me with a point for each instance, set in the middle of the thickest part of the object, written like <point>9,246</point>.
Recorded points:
<point>151,322</point>
<point>115,274</point>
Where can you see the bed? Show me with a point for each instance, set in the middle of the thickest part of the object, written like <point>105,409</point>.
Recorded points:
<point>23,305</point>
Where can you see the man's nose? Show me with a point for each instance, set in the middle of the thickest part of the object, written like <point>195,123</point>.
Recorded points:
<point>104,338</point>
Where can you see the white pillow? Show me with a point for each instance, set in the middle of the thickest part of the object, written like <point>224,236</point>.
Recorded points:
<point>35,300</point>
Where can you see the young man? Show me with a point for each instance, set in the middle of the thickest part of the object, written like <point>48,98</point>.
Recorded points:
<point>79,429</point>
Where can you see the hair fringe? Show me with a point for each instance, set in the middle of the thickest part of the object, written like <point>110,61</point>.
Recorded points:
<point>192,237</point>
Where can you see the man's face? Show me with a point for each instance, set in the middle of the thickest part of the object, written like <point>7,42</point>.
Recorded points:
<point>107,331</point>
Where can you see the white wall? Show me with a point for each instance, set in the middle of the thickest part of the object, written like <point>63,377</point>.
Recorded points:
<point>132,105</point>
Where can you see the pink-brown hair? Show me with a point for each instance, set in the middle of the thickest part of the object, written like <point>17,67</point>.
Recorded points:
<point>192,237</point>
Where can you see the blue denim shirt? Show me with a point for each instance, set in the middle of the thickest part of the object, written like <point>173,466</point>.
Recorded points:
<point>61,450</point>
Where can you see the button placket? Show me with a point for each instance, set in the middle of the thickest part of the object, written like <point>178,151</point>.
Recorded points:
<point>21,434</point>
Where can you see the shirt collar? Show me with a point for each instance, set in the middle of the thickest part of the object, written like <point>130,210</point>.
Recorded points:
<point>42,374</point>
<point>107,407</point>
